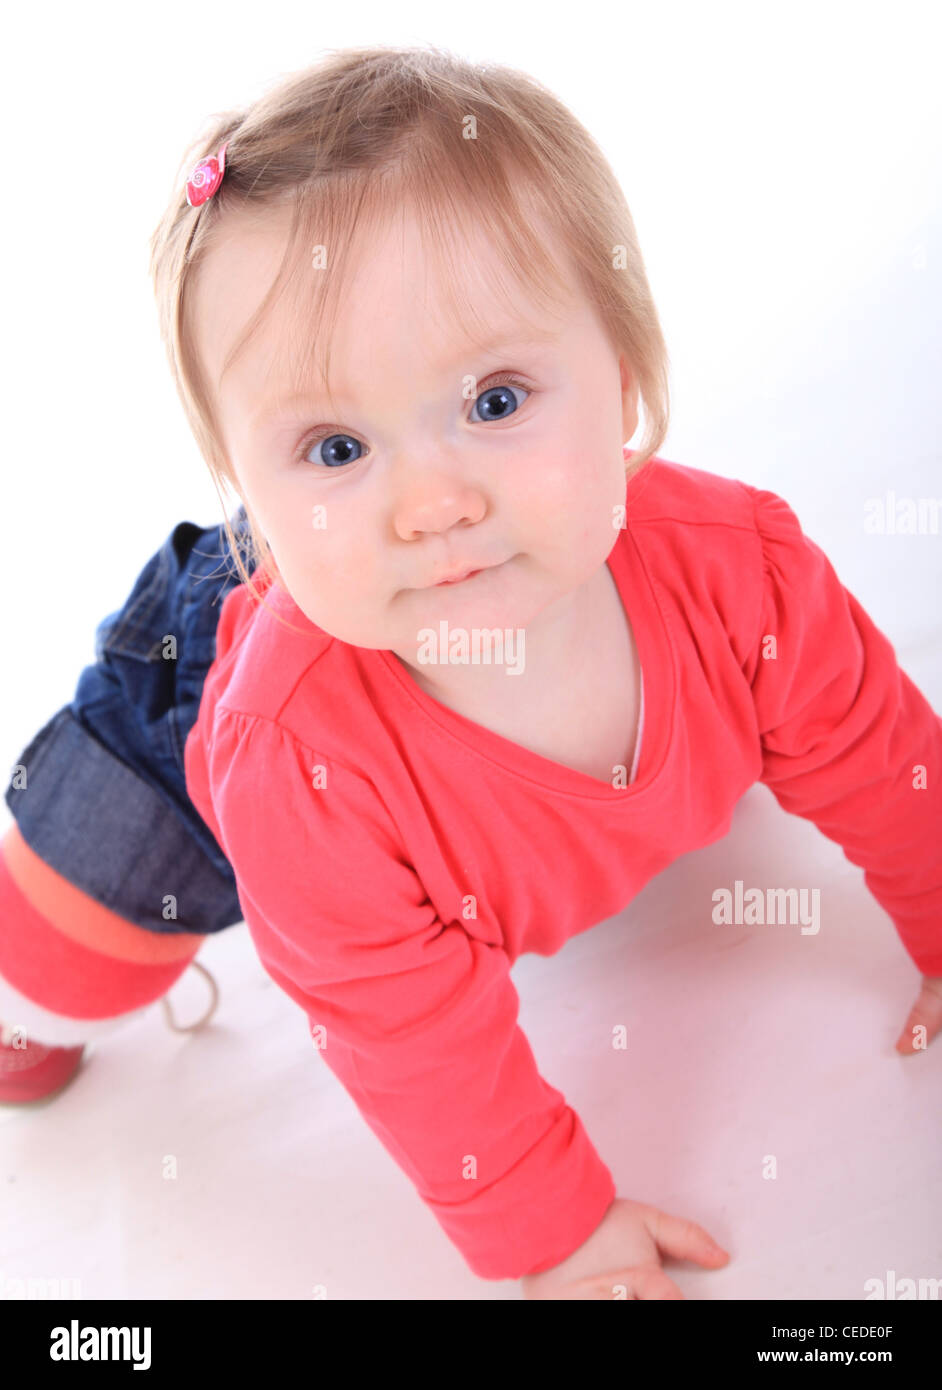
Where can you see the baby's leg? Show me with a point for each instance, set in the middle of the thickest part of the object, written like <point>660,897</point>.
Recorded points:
<point>72,970</point>
<point>109,879</point>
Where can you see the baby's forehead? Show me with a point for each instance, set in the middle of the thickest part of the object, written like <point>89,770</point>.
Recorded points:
<point>390,284</point>
<point>435,250</point>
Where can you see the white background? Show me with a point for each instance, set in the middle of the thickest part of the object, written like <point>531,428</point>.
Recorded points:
<point>782,163</point>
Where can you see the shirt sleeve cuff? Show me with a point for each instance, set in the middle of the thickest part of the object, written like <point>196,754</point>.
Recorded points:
<point>539,1213</point>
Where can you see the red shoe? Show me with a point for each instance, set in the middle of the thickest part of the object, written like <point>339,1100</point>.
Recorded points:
<point>36,1071</point>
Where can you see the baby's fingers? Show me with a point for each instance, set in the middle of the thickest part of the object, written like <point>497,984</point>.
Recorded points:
<point>650,1283</point>
<point>926,1013</point>
<point>684,1240</point>
<point>645,1283</point>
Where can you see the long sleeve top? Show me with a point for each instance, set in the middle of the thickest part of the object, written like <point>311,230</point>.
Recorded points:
<point>394,858</point>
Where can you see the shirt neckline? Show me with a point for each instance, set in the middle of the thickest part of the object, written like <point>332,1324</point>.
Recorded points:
<point>656,658</point>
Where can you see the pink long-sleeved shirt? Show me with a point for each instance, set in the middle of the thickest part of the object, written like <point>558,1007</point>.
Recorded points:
<point>394,858</point>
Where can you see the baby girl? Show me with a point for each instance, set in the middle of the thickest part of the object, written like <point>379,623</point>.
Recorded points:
<point>479,670</point>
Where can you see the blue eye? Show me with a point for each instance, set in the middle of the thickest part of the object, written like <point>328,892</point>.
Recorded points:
<point>502,400</point>
<point>336,449</point>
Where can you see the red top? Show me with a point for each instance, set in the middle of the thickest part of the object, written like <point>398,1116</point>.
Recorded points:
<point>394,857</point>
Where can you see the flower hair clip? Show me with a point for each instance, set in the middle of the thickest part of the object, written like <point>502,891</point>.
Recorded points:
<point>206,178</point>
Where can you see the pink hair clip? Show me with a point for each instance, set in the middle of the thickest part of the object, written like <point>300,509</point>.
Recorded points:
<point>206,178</point>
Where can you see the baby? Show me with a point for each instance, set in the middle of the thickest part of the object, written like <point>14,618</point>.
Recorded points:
<point>480,671</point>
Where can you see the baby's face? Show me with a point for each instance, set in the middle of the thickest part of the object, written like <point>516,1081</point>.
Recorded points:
<point>365,507</point>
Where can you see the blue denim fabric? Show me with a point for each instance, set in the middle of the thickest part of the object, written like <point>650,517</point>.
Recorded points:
<point>105,802</point>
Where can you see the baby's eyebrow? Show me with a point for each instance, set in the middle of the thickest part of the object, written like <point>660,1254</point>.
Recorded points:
<point>537,338</point>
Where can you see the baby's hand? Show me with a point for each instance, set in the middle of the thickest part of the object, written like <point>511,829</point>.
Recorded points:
<point>622,1257</point>
<point>927,1012</point>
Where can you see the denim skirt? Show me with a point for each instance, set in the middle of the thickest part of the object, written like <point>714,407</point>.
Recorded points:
<point>100,792</point>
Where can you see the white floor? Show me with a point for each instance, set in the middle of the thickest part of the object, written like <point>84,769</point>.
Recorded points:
<point>743,1043</point>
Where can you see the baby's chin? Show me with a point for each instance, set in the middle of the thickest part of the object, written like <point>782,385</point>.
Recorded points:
<point>503,597</point>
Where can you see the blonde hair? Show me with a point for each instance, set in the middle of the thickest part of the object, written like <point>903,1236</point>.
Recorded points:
<point>367,129</point>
